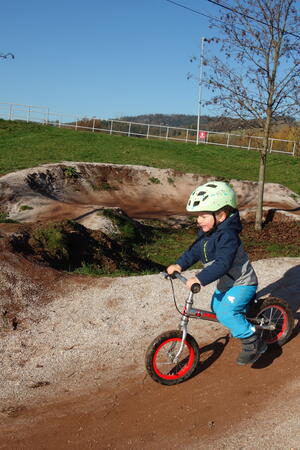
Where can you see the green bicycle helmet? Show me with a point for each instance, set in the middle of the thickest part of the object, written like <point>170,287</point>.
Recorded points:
<point>210,197</point>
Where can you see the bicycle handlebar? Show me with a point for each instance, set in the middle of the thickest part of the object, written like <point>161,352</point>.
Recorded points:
<point>195,288</point>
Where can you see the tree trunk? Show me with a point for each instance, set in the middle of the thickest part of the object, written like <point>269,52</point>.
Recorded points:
<point>260,191</point>
<point>262,172</point>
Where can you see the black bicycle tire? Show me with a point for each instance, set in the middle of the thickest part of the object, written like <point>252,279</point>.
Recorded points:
<point>285,334</point>
<point>157,343</point>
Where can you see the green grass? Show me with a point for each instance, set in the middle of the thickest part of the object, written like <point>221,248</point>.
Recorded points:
<point>25,145</point>
<point>279,250</point>
<point>25,208</point>
<point>4,218</point>
<point>167,245</point>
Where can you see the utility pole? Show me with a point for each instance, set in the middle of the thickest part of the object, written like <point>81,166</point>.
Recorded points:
<point>200,88</point>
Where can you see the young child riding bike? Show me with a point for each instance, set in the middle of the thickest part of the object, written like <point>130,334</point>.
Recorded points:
<point>221,251</point>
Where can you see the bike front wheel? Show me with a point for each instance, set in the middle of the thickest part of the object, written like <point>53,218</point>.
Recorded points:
<point>276,313</point>
<point>161,362</point>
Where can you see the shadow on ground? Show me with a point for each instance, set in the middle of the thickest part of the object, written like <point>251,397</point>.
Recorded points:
<point>287,288</point>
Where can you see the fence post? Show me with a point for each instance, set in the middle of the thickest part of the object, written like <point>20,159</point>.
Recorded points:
<point>187,135</point>
<point>148,129</point>
<point>249,142</point>
<point>228,138</point>
<point>271,146</point>
<point>93,129</point>
<point>167,133</point>
<point>129,128</point>
<point>28,114</point>
<point>10,112</point>
<point>111,127</point>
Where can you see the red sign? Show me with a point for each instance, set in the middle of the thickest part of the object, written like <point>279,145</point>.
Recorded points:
<point>202,134</point>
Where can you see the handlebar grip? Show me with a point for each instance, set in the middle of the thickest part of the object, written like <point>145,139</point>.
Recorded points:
<point>179,276</point>
<point>196,287</point>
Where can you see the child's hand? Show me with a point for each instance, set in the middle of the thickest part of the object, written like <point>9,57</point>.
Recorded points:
<point>173,268</point>
<point>192,281</point>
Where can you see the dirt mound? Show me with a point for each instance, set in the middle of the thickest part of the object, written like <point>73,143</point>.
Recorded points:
<point>77,190</point>
<point>24,286</point>
<point>67,245</point>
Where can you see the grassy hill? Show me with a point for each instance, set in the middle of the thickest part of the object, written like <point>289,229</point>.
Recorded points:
<point>25,145</point>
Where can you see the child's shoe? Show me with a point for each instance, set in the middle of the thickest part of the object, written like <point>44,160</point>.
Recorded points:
<point>252,348</point>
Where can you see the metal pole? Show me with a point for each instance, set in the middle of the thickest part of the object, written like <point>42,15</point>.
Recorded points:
<point>200,89</point>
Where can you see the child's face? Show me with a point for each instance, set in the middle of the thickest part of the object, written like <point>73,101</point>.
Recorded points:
<point>206,221</point>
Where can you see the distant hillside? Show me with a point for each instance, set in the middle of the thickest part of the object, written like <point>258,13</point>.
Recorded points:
<point>214,123</point>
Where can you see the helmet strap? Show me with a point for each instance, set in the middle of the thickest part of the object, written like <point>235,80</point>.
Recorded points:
<point>215,220</point>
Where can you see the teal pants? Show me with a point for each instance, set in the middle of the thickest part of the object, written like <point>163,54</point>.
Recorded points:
<point>229,307</point>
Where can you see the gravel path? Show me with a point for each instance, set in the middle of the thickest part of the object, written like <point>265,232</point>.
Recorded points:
<point>96,328</point>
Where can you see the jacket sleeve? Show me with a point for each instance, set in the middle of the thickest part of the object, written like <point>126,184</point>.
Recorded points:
<point>190,256</point>
<point>227,246</point>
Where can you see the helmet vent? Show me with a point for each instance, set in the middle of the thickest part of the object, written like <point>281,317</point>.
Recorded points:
<point>212,185</point>
<point>201,193</point>
<point>196,204</point>
<point>204,198</point>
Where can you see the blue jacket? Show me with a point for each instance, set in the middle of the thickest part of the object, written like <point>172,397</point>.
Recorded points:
<point>222,255</point>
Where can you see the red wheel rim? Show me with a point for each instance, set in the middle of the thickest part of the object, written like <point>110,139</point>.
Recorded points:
<point>278,336</point>
<point>183,370</point>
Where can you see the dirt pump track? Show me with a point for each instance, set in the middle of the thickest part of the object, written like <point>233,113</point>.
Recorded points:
<point>90,390</point>
<point>73,362</point>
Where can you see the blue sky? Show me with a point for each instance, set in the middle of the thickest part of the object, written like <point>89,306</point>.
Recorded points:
<point>102,58</point>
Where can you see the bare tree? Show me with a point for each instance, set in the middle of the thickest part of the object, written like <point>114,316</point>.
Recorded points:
<point>258,77</point>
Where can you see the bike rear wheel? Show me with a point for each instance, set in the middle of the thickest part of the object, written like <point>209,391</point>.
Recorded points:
<point>276,312</point>
<point>160,355</point>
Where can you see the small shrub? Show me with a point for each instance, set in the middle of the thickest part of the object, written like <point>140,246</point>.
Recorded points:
<point>4,218</point>
<point>89,269</point>
<point>171,180</point>
<point>71,172</point>
<point>105,186</point>
<point>94,186</point>
<point>154,180</point>
<point>25,207</point>
<point>53,241</point>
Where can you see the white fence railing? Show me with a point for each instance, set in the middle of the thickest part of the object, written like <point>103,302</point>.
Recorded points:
<point>42,114</point>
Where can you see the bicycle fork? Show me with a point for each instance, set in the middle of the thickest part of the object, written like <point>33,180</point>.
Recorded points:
<point>183,326</point>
